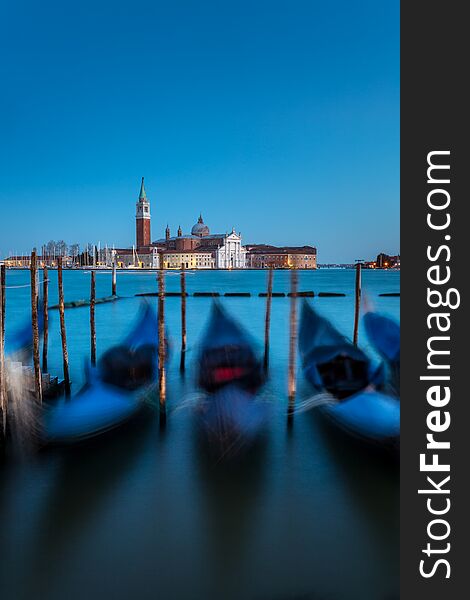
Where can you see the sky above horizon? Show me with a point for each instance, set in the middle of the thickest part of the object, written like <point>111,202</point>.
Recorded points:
<point>278,118</point>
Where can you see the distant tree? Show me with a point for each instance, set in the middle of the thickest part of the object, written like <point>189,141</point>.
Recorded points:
<point>74,250</point>
<point>61,248</point>
<point>89,250</point>
<point>50,249</point>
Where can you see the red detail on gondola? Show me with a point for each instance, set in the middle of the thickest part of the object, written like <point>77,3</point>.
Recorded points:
<point>224,374</point>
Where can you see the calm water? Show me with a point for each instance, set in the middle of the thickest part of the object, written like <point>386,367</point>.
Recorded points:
<point>144,513</point>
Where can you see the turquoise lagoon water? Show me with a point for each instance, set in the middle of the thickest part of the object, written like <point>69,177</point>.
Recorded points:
<point>144,514</point>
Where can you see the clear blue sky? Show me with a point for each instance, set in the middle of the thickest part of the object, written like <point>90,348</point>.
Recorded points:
<point>280,118</point>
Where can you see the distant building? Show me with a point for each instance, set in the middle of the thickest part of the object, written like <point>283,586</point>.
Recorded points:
<point>262,256</point>
<point>192,259</point>
<point>385,261</point>
<point>198,250</point>
<point>142,219</point>
<point>129,258</point>
<point>23,261</point>
<point>202,250</point>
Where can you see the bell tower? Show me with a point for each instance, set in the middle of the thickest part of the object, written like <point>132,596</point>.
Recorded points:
<point>142,219</point>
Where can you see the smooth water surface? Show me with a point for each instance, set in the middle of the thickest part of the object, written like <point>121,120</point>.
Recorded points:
<point>145,513</point>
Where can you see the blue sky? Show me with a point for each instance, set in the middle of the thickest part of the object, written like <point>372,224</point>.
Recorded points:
<point>278,118</point>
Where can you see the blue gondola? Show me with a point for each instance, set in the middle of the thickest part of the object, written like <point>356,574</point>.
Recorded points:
<point>20,342</point>
<point>231,374</point>
<point>114,389</point>
<point>384,335</point>
<point>145,331</point>
<point>333,365</point>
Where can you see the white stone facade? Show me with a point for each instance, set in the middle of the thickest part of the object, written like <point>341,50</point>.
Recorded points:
<point>231,255</point>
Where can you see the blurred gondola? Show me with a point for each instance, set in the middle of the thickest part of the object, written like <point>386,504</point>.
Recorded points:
<point>384,335</point>
<point>114,389</point>
<point>18,345</point>
<point>231,374</point>
<point>335,367</point>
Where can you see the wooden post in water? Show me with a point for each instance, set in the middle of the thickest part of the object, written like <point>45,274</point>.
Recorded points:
<point>63,334</point>
<point>3,387</point>
<point>113,284</point>
<point>183,319</point>
<point>161,343</point>
<point>92,319</point>
<point>45,318</point>
<point>291,383</point>
<point>357,306</point>
<point>267,323</point>
<point>35,326</point>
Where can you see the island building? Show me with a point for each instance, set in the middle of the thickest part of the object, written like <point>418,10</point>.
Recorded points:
<point>199,249</point>
<point>263,256</point>
<point>23,261</point>
<point>202,249</point>
<point>95,257</point>
<point>383,261</point>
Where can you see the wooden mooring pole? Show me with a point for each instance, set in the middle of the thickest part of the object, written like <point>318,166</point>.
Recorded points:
<point>113,284</point>
<point>92,319</point>
<point>35,326</point>
<point>45,318</point>
<point>3,387</point>
<point>183,319</point>
<point>161,344</point>
<point>357,306</point>
<point>291,381</point>
<point>63,335</point>
<point>267,322</point>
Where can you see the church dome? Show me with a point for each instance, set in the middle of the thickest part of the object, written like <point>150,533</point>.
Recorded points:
<point>200,229</point>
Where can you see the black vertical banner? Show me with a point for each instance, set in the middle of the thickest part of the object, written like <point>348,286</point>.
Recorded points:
<point>435,201</point>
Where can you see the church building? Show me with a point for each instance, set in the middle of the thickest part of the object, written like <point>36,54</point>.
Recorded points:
<point>197,250</point>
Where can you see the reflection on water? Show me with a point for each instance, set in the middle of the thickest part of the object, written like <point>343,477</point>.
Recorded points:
<point>149,513</point>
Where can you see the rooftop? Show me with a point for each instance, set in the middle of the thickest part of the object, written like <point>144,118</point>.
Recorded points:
<point>199,250</point>
<point>213,236</point>
<point>142,195</point>
<point>200,229</point>
<point>267,249</point>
